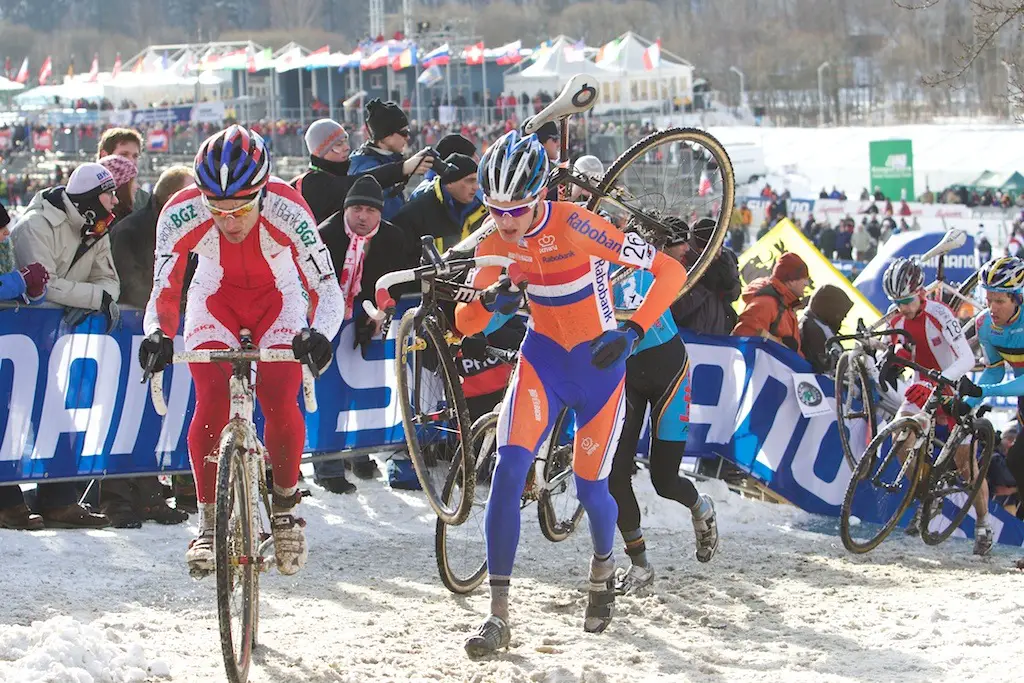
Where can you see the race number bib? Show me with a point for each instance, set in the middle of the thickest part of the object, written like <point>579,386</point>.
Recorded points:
<point>636,251</point>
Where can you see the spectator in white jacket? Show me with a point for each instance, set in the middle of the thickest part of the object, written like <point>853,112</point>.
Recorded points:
<point>65,230</point>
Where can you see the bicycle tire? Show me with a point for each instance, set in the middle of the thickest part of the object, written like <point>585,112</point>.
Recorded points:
<point>556,463</point>
<point>721,157</point>
<point>865,468</point>
<point>864,382</point>
<point>427,328</point>
<point>932,536</point>
<point>233,490</point>
<point>458,582</point>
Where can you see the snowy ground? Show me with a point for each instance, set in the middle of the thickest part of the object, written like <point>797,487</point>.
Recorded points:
<point>783,601</point>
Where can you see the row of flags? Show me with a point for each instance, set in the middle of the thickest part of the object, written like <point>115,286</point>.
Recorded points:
<point>46,70</point>
<point>369,56</point>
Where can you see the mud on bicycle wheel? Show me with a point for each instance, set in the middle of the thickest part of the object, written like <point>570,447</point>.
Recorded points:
<point>874,478</point>
<point>236,546</point>
<point>704,182</point>
<point>434,413</point>
<point>461,551</point>
<point>852,379</point>
<point>559,511</point>
<point>949,498</point>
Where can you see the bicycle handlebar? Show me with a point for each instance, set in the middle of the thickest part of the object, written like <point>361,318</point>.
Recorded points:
<point>156,380</point>
<point>865,335</point>
<point>386,305</point>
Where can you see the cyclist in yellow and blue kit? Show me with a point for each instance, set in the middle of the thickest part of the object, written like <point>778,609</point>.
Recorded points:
<point>657,374</point>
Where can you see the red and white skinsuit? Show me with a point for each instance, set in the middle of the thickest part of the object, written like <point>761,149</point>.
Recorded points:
<point>272,283</point>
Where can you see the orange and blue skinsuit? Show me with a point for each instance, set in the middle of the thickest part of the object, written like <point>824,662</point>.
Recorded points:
<point>566,257</point>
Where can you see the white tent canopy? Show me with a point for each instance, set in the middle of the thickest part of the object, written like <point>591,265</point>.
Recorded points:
<point>44,95</point>
<point>633,85</point>
<point>550,68</point>
<point>7,85</point>
<point>624,82</point>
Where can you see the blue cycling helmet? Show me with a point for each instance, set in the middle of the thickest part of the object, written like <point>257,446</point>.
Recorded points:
<point>232,164</point>
<point>514,168</point>
<point>1004,274</point>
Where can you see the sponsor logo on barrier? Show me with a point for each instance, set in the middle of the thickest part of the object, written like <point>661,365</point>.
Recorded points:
<point>808,394</point>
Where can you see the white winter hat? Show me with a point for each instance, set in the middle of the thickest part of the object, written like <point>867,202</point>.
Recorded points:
<point>90,178</point>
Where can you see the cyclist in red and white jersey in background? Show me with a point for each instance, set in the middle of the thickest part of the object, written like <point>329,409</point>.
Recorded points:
<point>939,344</point>
<point>263,267</point>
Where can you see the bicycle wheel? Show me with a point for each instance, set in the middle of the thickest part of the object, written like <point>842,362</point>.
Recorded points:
<point>461,551</point>
<point>881,486</point>
<point>680,172</point>
<point>950,496</point>
<point>558,509</point>
<point>434,413</point>
<point>854,385</point>
<point>237,559</point>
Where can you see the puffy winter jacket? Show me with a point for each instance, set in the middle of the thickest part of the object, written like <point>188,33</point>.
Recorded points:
<point>770,312</point>
<point>50,233</point>
<point>823,318</point>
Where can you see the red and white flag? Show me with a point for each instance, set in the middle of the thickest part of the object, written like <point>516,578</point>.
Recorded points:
<point>22,76</point>
<point>117,66</point>
<point>94,70</point>
<point>46,71</point>
<point>704,188</point>
<point>474,54</point>
<point>652,56</point>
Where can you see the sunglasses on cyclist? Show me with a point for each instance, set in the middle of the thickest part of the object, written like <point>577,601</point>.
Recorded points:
<point>515,211</point>
<point>243,210</point>
<point>906,300</point>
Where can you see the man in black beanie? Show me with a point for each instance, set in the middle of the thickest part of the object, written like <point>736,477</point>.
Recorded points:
<point>453,143</point>
<point>327,181</point>
<point>450,209</point>
<point>388,128</point>
<point>363,247</point>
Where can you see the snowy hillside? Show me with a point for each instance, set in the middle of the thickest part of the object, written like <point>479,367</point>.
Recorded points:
<point>943,154</point>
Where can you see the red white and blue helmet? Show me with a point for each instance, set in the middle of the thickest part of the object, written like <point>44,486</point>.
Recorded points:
<point>514,168</point>
<point>232,164</point>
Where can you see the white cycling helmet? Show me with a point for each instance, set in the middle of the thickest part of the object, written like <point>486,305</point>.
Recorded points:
<point>902,279</point>
<point>590,166</point>
<point>514,168</point>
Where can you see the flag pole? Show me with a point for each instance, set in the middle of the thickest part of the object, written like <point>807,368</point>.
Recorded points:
<point>330,90</point>
<point>418,92</point>
<point>483,73</point>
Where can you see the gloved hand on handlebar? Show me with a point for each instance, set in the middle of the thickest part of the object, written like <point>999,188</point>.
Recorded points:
<point>918,393</point>
<point>503,297</point>
<point>156,352</point>
<point>890,372</point>
<point>313,349</point>
<point>613,346</point>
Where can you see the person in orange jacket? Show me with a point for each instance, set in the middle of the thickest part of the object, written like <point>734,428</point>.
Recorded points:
<point>771,303</point>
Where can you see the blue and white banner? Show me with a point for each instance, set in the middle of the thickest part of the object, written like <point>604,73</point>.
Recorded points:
<point>960,263</point>
<point>77,407</point>
<point>744,407</point>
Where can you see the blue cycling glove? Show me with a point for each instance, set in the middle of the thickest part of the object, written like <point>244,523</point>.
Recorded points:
<point>613,346</point>
<point>503,297</point>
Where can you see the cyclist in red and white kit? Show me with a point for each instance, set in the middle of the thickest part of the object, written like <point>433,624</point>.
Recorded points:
<point>939,344</point>
<point>263,267</point>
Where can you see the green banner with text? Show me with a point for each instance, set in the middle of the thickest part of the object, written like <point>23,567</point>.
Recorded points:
<point>892,168</point>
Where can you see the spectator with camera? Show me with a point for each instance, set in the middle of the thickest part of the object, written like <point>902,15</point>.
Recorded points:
<point>388,127</point>
<point>327,182</point>
<point>450,210</point>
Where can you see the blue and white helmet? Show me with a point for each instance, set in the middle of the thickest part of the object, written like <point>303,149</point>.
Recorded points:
<point>514,168</point>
